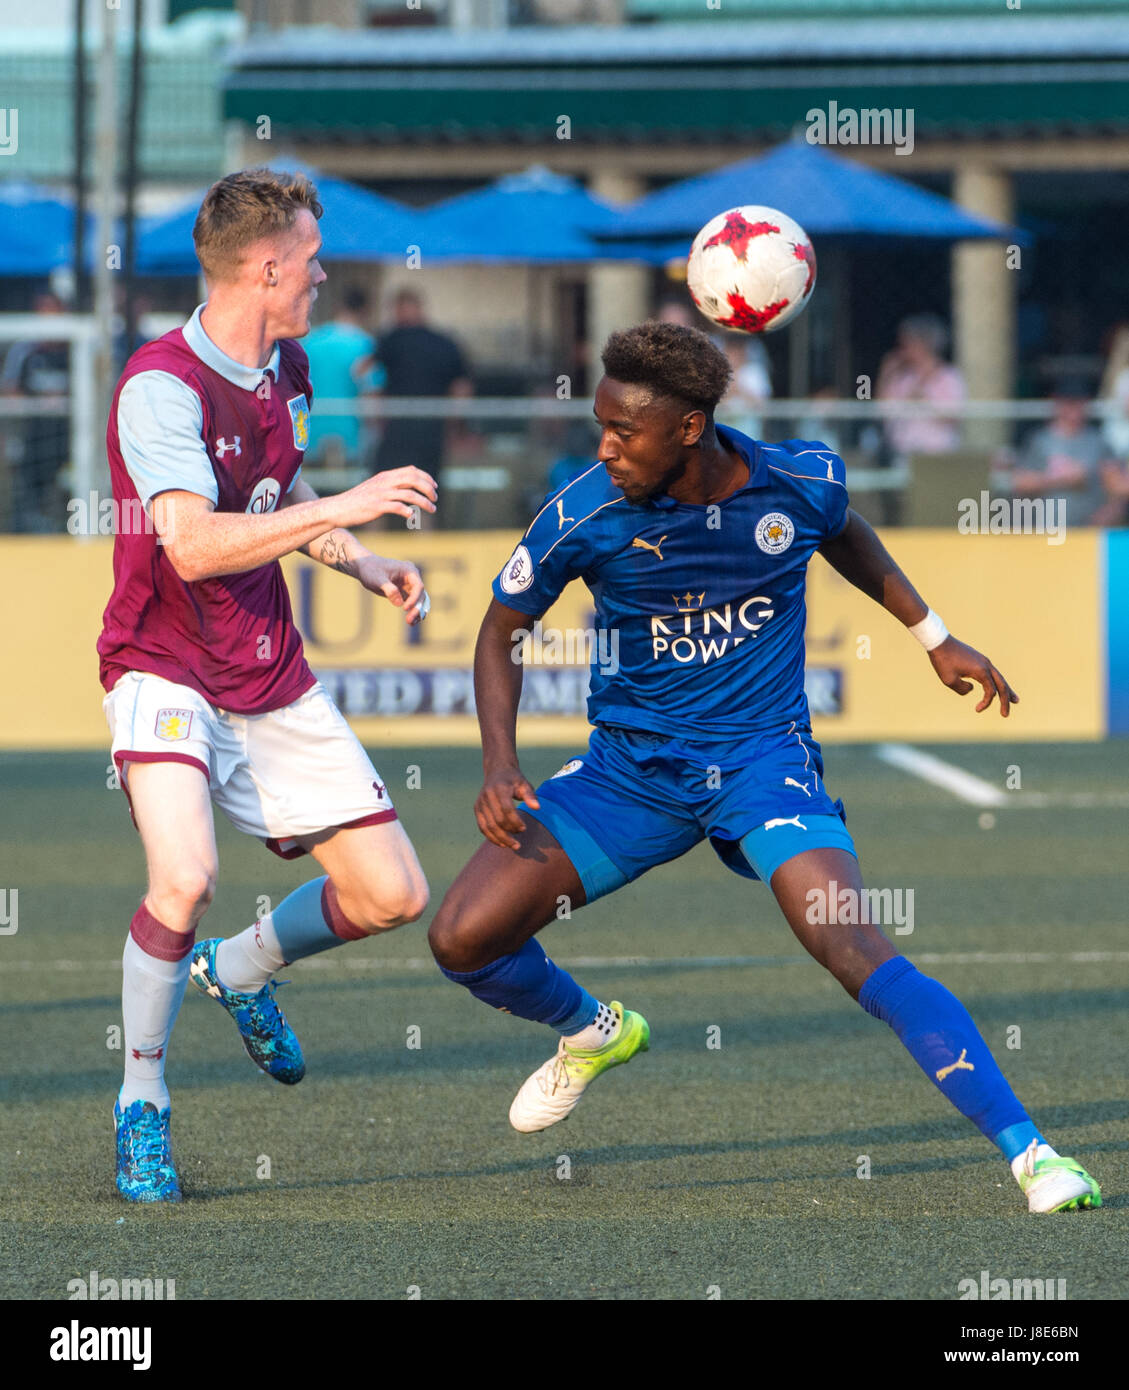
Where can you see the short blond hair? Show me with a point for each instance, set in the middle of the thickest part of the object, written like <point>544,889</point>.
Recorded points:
<point>242,208</point>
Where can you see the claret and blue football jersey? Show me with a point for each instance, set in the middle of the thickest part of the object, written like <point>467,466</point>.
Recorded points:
<point>707,601</point>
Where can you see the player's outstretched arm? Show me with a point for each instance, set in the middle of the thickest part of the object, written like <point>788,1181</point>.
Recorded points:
<point>399,581</point>
<point>202,543</point>
<point>497,691</point>
<point>862,559</point>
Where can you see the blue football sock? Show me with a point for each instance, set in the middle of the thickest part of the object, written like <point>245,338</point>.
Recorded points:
<point>938,1031</point>
<point>529,985</point>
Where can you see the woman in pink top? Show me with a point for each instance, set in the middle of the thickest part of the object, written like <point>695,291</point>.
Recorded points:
<point>916,371</point>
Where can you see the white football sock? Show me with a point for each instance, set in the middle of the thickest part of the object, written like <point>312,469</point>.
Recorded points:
<point>601,1031</point>
<point>247,961</point>
<point>152,990</point>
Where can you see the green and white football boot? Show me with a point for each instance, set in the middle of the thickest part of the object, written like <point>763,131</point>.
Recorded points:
<point>552,1093</point>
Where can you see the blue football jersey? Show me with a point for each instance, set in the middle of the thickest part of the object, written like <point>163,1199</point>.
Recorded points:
<point>703,604</point>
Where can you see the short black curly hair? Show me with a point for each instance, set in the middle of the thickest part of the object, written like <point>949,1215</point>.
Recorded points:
<point>681,363</point>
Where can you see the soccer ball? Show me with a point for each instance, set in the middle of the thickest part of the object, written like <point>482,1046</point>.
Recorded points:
<point>751,268</point>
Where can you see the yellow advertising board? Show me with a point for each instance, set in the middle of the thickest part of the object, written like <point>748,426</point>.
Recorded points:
<point>1034,608</point>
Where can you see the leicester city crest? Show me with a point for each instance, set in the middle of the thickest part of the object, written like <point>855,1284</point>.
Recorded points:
<point>299,409</point>
<point>774,533</point>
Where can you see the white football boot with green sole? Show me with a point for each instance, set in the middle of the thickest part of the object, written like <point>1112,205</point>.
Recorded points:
<point>554,1090</point>
<point>1056,1184</point>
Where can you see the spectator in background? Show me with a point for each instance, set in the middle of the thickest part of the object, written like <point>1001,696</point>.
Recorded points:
<point>418,361</point>
<point>915,370</point>
<point>678,310</point>
<point>342,367</point>
<point>123,347</point>
<point>822,427</point>
<point>38,449</point>
<point>749,387</point>
<point>1115,391</point>
<point>580,446</point>
<point>1068,458</point>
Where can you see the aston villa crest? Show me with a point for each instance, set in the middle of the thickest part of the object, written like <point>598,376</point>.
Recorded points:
<point>299,409</point>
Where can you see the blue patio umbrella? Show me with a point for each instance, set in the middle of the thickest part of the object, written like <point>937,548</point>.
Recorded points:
<point>534,216</point>
<point>826,193</point>
<point>36,230</point>
<point>356,226</point>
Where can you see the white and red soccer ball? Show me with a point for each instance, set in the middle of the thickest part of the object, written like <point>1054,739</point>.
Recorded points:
<point>751,268</point>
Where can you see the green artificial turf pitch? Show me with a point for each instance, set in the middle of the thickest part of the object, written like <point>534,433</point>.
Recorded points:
<point>732,1166</point>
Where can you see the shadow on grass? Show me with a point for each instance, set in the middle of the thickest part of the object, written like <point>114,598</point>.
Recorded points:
<point>869,1140</point>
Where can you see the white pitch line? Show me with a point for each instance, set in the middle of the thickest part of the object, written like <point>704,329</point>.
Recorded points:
<point>953,779</point>
<point>1070,801</point>
<point>414,963</point>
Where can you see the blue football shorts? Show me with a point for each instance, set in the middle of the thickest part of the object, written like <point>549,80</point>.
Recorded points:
<point>635,799</point>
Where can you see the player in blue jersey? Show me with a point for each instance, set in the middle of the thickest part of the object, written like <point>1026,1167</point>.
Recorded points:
<point>694,541</point>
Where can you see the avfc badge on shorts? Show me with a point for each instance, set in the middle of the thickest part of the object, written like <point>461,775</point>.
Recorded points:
<point>299,409</point>
<point>173,725</point>
<point>775,533</point>
<point>518,574</point>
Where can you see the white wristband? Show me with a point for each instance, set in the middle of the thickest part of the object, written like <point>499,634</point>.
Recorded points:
<point>930,632</point>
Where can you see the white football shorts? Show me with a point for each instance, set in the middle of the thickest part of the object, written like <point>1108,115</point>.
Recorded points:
<point>293,771</point>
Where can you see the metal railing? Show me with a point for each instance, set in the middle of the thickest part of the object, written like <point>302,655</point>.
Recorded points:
<point>497,447</point>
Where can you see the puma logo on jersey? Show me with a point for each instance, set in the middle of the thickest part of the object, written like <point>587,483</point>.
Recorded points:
<point>561,518</point>
<point>791,782</point>
<point>830,469</point>
<point>223,447</point>
<point>640,544</point>
<point>790,820</point>
<point>959,1065</point>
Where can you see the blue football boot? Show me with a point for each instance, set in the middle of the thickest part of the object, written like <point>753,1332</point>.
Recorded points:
<point>269,1040</point>
<point>145,1167</point>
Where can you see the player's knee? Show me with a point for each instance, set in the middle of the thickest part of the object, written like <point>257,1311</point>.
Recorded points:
<point>408,903</point>
<point>456,936</point>
<point>182,895</point>
<point>396,900</point>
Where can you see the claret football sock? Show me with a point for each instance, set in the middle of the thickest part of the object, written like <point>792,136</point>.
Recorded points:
<point>154,974</point>
<point>529,985</point>
<point>303,924</point>
<point>938,1031</point>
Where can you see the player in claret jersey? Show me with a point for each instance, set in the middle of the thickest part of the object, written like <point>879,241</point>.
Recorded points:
<point>209,697</point>
<point>695,541</point>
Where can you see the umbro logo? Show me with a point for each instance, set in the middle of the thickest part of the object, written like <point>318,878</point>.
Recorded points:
<point>640,544</point>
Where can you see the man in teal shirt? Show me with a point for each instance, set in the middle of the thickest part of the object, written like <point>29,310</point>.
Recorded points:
<point>341,362</point>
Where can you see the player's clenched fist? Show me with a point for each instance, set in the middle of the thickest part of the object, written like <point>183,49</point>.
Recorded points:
<point>395,492</point>
<point>495,811</point>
